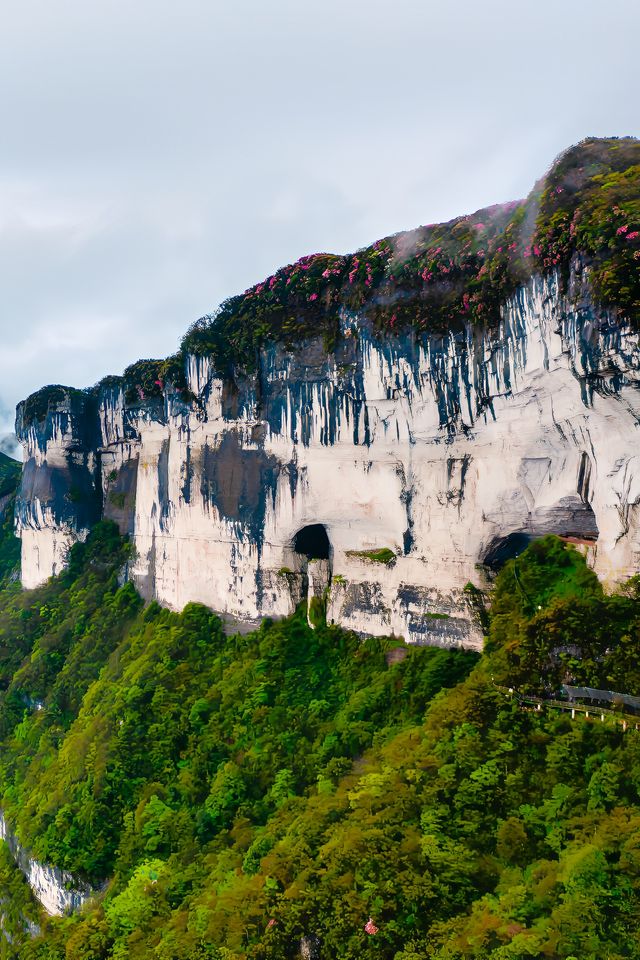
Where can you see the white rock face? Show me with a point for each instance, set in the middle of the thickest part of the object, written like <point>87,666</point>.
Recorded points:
<point>449,451</point>
<point>56,890</point>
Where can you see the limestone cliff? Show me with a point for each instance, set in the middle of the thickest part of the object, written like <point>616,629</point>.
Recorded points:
<point>441,449</point>
<point>56,890</point>
<point>406,459</point>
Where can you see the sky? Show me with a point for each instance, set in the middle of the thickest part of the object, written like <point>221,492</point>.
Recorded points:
<point>157,157</point>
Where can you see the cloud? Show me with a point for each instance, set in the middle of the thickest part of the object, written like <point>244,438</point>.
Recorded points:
<point>9,446</point>
<point>8,442</point>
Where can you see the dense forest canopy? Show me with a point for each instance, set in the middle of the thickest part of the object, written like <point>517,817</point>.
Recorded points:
<point>229,796</point>
<point>9,475</point>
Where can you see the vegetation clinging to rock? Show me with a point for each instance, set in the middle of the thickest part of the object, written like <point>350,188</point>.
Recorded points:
<point>433,279</point>
<point>446,275</point>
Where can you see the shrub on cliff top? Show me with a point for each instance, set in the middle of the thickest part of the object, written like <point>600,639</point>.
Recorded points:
<point>38,405</point>
<point>446,275</point>
<point>142,382</point>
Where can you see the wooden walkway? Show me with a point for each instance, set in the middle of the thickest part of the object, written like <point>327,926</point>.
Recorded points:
<point>529,702</point>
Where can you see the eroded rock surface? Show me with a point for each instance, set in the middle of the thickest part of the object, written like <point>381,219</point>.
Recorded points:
<point>451,451</point>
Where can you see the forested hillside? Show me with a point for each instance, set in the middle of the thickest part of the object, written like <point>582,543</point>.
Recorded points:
<point>238,794</point>
<point>9,546</point>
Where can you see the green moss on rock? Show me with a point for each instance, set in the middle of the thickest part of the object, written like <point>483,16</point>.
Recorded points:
<point>381,555</point>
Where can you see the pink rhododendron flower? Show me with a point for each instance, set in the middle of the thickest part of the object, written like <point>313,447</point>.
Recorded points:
<point>272,923</point>
<point>370,927</point>
<point>622,229</point>
<point>633,235</point>
<point>537,250</point>
<point>159,383</point>
<point>314,296</point>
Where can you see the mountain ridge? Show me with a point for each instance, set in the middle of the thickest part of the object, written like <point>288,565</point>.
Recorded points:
<point>448,274</point>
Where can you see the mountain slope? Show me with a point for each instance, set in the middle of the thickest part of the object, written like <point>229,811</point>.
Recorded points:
<point>10,471</point>
<point>245,793</point>
<point>9,475</point>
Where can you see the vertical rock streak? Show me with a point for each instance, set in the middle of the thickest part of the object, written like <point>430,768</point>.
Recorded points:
<point>443,448</point>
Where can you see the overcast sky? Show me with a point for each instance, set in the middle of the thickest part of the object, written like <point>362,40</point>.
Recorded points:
<point>157,157</point>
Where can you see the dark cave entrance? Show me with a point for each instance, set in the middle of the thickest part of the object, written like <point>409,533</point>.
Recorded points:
<point>313,542</point>
<point>505,548</point>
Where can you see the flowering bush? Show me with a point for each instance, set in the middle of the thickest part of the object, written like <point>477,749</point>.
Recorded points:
<point>460,272</point>
<point>591,204</point>
<point>146,380</point>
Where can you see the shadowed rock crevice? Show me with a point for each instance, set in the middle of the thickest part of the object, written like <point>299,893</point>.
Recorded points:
<point>239,481</point>
<point>502,549</point>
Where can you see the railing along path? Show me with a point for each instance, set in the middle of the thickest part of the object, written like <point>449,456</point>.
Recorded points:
<point>588,711</point>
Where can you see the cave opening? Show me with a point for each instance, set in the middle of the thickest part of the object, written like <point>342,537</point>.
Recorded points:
<point>313,542</point>
<point>505,548</point>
